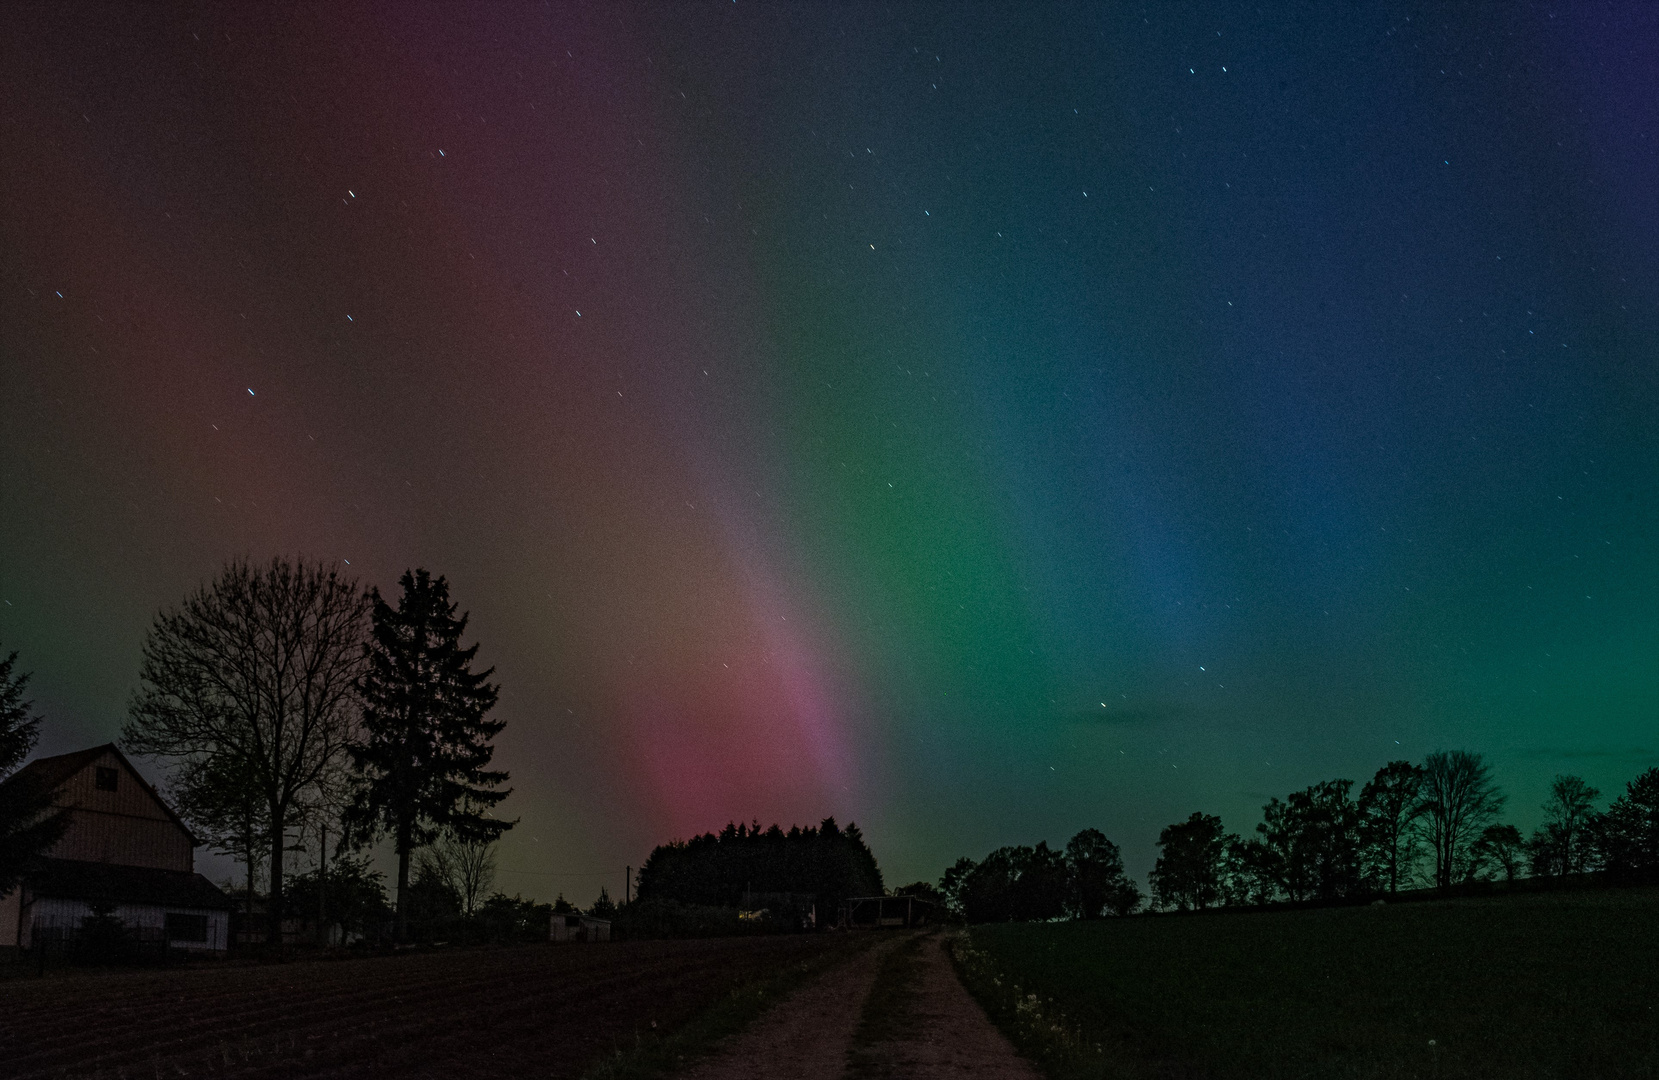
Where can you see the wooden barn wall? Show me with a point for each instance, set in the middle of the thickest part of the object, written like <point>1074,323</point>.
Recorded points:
<point>125,826</point>
<point>129,796</point>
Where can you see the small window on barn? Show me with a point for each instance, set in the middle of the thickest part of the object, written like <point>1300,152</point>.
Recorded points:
<point>186,927</point>
<point>107,778</point>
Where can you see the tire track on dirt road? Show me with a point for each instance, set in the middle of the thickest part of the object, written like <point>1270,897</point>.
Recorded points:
<point>937,1030</point>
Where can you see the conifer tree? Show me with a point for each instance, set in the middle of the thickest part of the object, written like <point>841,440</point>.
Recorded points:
<point>423,766</point>
<point>28,827</point>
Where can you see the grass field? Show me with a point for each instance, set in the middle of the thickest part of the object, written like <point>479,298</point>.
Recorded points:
<point>1547,985</point>
<point>532,1010</point>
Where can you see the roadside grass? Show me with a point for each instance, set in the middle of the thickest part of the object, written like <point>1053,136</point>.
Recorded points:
<point>654,1054</point>
<point>1545,985</point>
<point>888,1009</point>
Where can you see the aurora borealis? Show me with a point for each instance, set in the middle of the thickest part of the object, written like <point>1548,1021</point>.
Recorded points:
<point>978,422</point>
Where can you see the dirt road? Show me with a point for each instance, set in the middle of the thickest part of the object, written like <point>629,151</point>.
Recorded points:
<point>935,1029</point>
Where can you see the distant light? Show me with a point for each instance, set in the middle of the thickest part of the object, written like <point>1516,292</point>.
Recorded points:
<point>440,153</point>
<point>350,319</point>
<point>251,393</point>
<point>352,193</point>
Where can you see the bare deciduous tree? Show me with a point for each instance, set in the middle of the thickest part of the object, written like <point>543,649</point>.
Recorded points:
<point>465,865</point>
<point>1564,844</point>
<point>253,678</point>
<point>1459,800</point>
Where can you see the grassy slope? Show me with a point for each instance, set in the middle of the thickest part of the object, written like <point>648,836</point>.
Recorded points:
<point>1555,985</point>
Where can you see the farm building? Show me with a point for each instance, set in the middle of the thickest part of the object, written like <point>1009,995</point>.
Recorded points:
<point>125,849</point>
<point>879,911</point>
<point>798,910</point>
<point>579,927</point>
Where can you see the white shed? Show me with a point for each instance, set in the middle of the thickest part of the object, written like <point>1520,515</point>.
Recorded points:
<point>579,927</point>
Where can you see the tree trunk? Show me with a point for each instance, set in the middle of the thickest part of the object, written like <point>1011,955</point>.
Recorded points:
<point>322,883</point>
<point>400,928</point>
<point>247,899</point>
<point>273,902</point>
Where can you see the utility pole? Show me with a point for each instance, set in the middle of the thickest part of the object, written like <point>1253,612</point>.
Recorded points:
<point>627,883</point>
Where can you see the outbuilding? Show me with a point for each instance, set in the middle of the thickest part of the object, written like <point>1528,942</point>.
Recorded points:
<point>579,927</point>
<point>883,911</point>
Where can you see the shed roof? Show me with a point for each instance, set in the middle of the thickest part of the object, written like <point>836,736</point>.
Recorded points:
<point>71,879</point>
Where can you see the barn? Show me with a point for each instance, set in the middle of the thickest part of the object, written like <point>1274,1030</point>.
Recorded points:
<point>125,850</point>
<point>880,911</point>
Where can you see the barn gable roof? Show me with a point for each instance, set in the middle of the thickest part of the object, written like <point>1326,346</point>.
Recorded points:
<point>53,772</point>
<point>71,879</point>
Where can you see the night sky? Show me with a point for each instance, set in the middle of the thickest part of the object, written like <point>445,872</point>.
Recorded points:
<point>979,423</point>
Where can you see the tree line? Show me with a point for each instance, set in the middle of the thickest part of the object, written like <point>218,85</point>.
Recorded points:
<point>1434,823</point>
<point>746,866</point>
<point>285,701</point>
<point>1085,880</point>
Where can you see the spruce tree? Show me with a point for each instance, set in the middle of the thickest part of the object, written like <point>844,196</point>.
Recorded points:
<point>423,765</point>
<point>28,825</point>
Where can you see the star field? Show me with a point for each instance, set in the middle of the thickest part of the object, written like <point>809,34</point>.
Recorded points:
<point>979,423</point>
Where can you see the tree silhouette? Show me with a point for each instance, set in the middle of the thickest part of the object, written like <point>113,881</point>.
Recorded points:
<point>1188,873</point>
<point>1499,847</point>
<point>1019,884</point>
<point>604,907</point>
<point>921,890</point>
<point>466,866</point>
<point>249,685</point>
<point>952,884</point>
<point>1627,834</point>
<point>1564,843</point>
<point>220,798</point>
<point>1098,883</point>
<point>1312,842</point>
<point>28,827</point>
<point>1250,871</point>
<point>1459,800</point>
<point>827,862</point>
<point>423,767</point>
<point>1390,805</point>
<point>356,894</point>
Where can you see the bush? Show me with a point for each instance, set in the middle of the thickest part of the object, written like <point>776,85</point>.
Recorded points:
<point>671,919</point>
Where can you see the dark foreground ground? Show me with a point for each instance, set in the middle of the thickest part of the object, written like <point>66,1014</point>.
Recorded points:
<point>535,1010</point>
<point>1551,985</point>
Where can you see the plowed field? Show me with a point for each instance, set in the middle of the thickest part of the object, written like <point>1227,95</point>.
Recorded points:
<point>544,1011</point>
